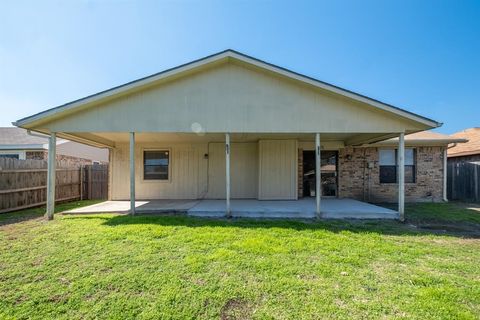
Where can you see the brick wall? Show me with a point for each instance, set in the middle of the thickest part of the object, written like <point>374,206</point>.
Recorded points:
<point>36,155</point>
<point>359,177</point>
<point>67,160</point>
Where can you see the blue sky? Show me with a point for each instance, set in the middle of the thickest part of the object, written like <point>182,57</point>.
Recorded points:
<point>423,56</point>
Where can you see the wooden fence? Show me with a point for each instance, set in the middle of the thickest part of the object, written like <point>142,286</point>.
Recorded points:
<point>95,182</point>
<point>463,180</point>
<point>23,183</point>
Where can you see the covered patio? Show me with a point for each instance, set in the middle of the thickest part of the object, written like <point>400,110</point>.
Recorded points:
<point>296,209</point>
<point>226,134</point>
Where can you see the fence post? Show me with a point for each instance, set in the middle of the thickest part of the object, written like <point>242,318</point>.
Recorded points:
<point>90,183</point>
<point>81,182</point>
<point>475,180</point>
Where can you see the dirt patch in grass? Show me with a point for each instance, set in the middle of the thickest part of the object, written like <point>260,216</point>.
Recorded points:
<point>458,229</point>
<point>236,309</point>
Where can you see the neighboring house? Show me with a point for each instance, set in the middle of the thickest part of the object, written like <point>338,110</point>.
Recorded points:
<point>230,126</point>
<point>19,144</point>
<point>469,151</point>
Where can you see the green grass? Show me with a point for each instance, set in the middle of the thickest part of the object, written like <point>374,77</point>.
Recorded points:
<point>174,267</point>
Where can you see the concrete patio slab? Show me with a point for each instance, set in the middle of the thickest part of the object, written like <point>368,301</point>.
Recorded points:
<point>303,208</point>
<point>354,209</point>
<point>146,206</point>
<point>299,209</point>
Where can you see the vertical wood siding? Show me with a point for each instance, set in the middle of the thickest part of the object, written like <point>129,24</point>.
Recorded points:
<point>278,169</point>
<point>243,170</point>
<point>188,172</point>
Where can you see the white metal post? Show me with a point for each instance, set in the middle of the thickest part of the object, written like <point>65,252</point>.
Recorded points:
<point>52,149</point>
<point>132,173</point>
<point>445,172</point>
<point>401,176</point>
<point>318,174</point>
<point>227,174</point>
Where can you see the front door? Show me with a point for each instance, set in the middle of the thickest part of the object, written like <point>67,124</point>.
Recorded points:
<point>329,169</point>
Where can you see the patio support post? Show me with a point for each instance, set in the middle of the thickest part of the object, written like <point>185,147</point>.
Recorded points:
<point>401,176</point>
<point>227,174</point>
<point>52,150</point>
<point>318,174</point>
<point>132,173</point>
<point>445,172</point>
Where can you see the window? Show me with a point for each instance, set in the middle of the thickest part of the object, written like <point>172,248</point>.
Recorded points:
<point>10,155</point>
<point>410,172</point>
<point>388,165</point>
<point>155,165</point>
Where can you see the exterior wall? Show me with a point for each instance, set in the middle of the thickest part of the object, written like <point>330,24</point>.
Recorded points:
<point>67,160</point>
<point>194,176</point>
<point>187,176</point>
<point>359,176</point>
<point>37,155</point>
<point>243,170</point>
<point>278,172</point>
<point>233,98</point>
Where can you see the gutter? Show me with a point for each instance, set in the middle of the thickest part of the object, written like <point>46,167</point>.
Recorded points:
<point>34,134</point>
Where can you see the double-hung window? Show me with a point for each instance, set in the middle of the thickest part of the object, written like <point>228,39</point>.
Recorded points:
<point>388,165</point>
<point>156,164</point>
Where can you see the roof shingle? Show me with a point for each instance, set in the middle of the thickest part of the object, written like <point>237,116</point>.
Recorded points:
<point>469,148</point>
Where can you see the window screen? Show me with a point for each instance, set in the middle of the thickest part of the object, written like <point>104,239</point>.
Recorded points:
<point>155,165</point>
<point>388,165</point>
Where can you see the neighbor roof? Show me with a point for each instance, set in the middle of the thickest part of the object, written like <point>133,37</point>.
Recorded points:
<point>18,138</point>
<point>471,147</point>
<point>224,55</point>
<point>424,138</point>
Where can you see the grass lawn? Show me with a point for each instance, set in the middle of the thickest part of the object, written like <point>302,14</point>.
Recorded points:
<point>174,267</point>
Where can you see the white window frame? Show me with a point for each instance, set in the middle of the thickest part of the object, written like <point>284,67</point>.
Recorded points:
<point>22,155</point>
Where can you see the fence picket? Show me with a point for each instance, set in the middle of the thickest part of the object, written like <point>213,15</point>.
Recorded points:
<point>463,179</point>
<point>23,183</point>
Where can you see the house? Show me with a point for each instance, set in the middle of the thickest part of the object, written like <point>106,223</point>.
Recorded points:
<point>19,144</point>
<point>232,127</point>
<point>469,151</point>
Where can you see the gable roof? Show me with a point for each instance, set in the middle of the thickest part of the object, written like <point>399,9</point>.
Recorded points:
<point>471,147</point>
<point>212,59</point>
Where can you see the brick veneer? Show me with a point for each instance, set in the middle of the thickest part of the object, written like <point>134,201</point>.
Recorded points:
<point>358,176</point>
<point>67,160</point>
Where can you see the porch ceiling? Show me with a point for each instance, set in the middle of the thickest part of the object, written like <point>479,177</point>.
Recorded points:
<point>109,139</point>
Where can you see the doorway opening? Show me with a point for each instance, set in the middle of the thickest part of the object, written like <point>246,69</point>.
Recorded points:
<point>329,168</point>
